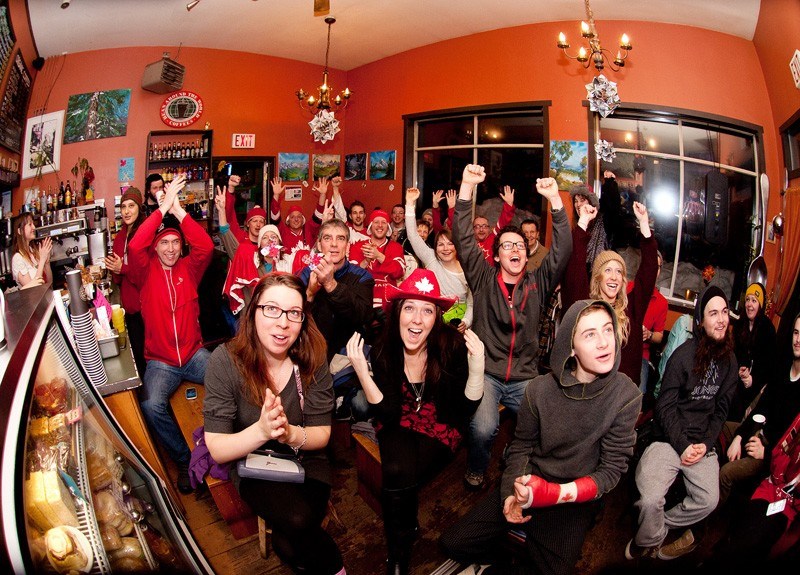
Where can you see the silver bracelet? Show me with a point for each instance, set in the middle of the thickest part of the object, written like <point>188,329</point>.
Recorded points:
<point>302,443</point>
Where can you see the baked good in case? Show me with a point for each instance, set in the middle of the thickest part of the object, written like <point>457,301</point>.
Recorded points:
<point>129,558</point>
<point>68,550</point>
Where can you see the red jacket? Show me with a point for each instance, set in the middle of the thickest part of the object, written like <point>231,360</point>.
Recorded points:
<point>487,245</point>
<point>290,239</point>
<point>128,292</point>
<point>388,272</point>
<point>170,307</point>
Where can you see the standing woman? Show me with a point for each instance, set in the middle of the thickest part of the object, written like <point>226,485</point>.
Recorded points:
<point>269,387</point>
<point>443,261</point>
<point>133,215</point>
<point>427,383</point>
<point>30,261</point>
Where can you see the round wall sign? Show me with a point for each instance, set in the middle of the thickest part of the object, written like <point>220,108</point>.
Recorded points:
<point>181,109</point>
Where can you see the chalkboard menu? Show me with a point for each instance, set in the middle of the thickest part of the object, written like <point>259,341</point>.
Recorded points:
<point>6,38</point>
<point>14,105</point>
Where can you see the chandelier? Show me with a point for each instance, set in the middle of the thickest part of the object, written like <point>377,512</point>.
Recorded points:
<point>323,101</point>
<point>596,54</point>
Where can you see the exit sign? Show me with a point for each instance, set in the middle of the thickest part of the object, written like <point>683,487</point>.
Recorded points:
<point>244,141</point>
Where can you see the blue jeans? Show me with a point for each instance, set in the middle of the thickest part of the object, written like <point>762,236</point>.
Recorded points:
<point>486,420</point>
<point>160,382</point>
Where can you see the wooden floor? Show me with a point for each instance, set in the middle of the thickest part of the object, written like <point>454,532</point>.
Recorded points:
<point>442,502</point>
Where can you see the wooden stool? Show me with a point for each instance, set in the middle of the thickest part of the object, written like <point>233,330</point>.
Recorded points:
<point>189,415</point>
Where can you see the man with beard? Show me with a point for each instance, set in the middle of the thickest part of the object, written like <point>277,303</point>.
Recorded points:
<point>697,389</point>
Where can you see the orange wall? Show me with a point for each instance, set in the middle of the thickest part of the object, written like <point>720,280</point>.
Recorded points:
<point>670,65</point>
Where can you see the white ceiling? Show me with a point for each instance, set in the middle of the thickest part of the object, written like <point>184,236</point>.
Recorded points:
<point>365,31</point>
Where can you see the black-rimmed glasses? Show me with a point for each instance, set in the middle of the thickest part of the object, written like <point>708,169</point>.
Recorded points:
<point>508,246</point>
<point>274,312</point>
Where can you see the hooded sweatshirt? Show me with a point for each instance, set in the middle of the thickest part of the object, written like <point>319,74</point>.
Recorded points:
<point>567,429</point>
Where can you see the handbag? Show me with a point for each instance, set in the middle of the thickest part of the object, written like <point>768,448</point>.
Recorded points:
<point>270,465</point>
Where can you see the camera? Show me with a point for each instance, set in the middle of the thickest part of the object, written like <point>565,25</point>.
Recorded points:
<point>65,4</point>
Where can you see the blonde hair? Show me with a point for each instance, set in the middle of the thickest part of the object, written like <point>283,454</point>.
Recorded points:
<point>620,303</point>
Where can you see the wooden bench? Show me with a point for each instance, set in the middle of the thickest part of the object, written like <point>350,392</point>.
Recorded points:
<point>189,416</point>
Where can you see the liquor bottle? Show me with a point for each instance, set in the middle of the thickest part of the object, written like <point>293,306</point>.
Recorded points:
<point>50,206</point>
<point>68,195</point>
<point>151,152</point>
<point>61,196</point>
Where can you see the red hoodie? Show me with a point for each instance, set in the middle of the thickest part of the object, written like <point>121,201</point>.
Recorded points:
<point>170,307</point>
<point>128,292</point>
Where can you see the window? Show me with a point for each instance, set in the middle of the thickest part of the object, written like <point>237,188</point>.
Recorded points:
<point>509,141</point>
<point>698,178</point>
<point>790,134</point>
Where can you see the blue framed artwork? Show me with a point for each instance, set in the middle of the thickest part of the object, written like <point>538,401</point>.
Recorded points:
<point>382,165</point>
<point>293,167</point>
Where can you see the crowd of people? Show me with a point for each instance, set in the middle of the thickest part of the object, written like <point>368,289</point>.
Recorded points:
<point>444,320</point>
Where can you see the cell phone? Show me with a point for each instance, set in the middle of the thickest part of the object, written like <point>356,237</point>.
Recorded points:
<point>191,393</point>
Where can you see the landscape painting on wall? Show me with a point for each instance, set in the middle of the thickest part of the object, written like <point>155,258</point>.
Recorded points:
<point>355,167</point>
<point>381,165</point>
<point>569,162</point>
<point>293,167</point>
<point>97,115</point>
<point>326,165</point>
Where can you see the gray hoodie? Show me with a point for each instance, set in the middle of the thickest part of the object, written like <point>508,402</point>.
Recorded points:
<point>567,429</point>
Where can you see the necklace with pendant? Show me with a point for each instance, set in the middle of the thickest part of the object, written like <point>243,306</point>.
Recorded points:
<point>417,395</point>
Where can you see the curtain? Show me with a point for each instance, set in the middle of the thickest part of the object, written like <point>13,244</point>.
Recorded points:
<point>791,248</point>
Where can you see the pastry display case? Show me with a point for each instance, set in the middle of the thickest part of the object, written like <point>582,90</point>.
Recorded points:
<point>77,496</point>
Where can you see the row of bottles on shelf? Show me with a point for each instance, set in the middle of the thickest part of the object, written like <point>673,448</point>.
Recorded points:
<point>178,150</point>
<point>192,173</point>
<point>67,196</point>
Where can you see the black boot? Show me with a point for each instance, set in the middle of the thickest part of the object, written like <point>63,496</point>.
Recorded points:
<point>400,525</point>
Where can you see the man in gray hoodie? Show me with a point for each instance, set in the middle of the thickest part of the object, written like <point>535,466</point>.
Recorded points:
<point>573,439</point>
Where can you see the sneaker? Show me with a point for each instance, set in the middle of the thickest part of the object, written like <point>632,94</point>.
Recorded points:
<point>678,548</point>
<point>473,480</point>
<point>184,483</point>
<point>633,551</point>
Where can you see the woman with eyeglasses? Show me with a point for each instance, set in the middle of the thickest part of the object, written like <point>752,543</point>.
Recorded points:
<point>31,259</point>
<point>426,382</point>
<point>443,262</point>
<point>270,388</point>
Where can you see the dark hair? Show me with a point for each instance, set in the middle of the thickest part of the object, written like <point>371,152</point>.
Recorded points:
<point>507,230</point>
<point>421,222</point>
<point>443,232</point>
<point>309,351</point>
<point>442,343</point>
<point>141,217</point>
<point>709,349</point>
<point>399,206</point>
<point>150,179</point>
<point>532,220</point>
<point>355,203</point>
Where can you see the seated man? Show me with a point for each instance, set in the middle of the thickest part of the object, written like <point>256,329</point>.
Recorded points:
<point>695,394</point>
<point>574,436</point>
<point>173,345</point>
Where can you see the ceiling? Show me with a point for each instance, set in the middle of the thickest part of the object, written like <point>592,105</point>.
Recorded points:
<point>365,31</point>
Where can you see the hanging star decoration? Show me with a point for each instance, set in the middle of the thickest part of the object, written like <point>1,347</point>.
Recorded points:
<point>324,126</point>
<point>603,97</point>
<point>605,151</point>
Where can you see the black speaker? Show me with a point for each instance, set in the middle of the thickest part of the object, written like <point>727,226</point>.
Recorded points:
<point>717,204</point>
<point>38,63</point>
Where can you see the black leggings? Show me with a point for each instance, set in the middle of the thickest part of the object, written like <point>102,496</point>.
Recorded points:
<point>295,512</point>
<point>135,326</point>
<point>409,459</point>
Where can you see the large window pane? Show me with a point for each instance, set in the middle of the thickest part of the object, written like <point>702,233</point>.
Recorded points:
<point>440,170</point>
<point>515,167</point>
<point>510,129</point>
<point>631,134</point>
<point>449,132</point>
<point>707,142</point>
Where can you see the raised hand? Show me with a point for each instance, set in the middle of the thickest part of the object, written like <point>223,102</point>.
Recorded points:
<point>412,195</point>
<point>508,195</point>
<point>451,199</point>
<point>475,351</point>
<point>437,197</point>
<point>233,181</point>
<point>45,249</point>
<point>171,193</point>
<point>277,187</point>
<point>220,200</point>
<point>547,187</point>
<point>640,211</point>
<point>321,187</point>
<point>473,174</point>
<point>586,213</point>
<point>355,353</point>
<point>327,212</point>
<point>336,182</point>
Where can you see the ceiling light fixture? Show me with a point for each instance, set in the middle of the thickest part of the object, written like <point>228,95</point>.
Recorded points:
<point>191,5</point>
<point>596,54</point>
<point>323,102</point>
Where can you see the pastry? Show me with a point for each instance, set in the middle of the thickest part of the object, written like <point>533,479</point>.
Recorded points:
<point>110,512</point>
<point>110,537</point>
<point>68,550</point>
<point>129,558</point>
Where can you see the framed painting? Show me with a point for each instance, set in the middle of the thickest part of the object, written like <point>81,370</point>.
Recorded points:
<point>42,151</point>
<point>355,167</point>
<point>327,165</point>
<point>293,167</point>
<point>569,162</point>
<point>382,164</point>
<point>97,115</point>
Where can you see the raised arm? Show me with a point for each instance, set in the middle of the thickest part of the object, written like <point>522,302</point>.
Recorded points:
<point>336,199</point>
<point>230,209</point>
<point>424,252</point>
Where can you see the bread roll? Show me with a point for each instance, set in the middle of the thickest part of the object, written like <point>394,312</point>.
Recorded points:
<point>64,551</point>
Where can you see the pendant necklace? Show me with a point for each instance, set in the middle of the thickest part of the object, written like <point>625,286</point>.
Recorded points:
<point>417,395</point>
